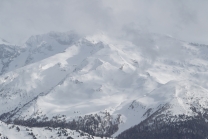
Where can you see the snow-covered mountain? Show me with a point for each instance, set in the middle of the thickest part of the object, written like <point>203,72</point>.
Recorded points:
<point>100,85</point>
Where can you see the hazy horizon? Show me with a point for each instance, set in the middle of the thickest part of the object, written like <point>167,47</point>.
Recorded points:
<point>182,19</point>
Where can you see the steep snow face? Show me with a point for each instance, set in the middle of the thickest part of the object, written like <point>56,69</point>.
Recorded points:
<point>46,45</point>
<point>35,49</point>
<point>65,74</point>
<point>8,53</point>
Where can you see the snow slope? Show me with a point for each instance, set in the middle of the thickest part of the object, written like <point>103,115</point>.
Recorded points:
<point>66,74</point>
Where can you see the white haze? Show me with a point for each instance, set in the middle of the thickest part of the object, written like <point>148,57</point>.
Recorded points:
<point>183,19</point>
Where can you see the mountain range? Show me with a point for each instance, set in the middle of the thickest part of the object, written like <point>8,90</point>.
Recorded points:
<point>65,85</point>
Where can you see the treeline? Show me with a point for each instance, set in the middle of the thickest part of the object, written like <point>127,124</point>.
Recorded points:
<point>183,127</point>
<point>92,124</point>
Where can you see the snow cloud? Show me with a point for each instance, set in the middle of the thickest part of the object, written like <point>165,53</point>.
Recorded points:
<point>183,19</point>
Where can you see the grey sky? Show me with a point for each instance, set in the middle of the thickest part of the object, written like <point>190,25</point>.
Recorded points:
<point>183,19</point>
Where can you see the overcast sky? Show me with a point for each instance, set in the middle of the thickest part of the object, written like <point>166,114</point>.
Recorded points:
<point>183,19</point>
